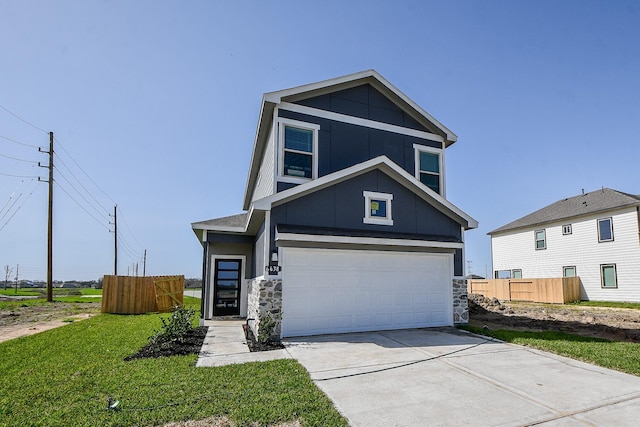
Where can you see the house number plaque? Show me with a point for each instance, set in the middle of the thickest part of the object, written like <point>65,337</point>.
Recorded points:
<point>273,270</point>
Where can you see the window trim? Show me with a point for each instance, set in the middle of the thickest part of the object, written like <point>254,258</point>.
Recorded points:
<point>418,148</point>
<point>372,195</point>
<point>567,229</point>
<point>610,219</point>
<point>544,239</point>
<point>315,128</point>
<point>564,271</point>
<point>615,276</point>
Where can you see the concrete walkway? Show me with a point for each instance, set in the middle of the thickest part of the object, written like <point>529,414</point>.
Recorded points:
<point>225,344</point>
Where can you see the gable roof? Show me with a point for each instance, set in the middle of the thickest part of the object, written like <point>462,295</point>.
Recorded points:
<point>387,166</point>
<point>272,99</point>
<point>596,201</point>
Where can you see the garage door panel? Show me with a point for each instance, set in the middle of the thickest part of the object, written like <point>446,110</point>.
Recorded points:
<point>329,291</point>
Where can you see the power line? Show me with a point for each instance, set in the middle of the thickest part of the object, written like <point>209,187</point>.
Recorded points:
<point>17,142</point>
<point>23,120</point>
<point>83,171</point>
<point>16,211</point>
<point>130,231</point>
<point>80,206</point>
<point>15,158</point>
<point>80,182</point>
<point>19,176</point>
<point>80,194</point>
<point>12,194</point>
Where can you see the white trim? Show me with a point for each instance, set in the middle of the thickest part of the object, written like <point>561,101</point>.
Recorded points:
<point>417,148</point>
<point>338,117</point>
<point>366,241</point>
<point>280,147</point>
<point>368,197</point>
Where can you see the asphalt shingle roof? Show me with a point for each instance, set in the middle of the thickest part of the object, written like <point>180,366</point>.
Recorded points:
<point>228,221</point>
<point>595,201</point>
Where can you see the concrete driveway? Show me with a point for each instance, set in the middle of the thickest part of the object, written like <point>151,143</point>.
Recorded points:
<point>443,377</point>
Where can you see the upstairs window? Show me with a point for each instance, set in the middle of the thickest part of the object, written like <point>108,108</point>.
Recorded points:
<point>541,239</point>
<point>377,208</point>
<point>299,150</point>
<point>428,167</point>
<point>605,230</point>
<point>566,229</point>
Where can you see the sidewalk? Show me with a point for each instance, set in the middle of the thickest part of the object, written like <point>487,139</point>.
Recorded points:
<point>225,344</point>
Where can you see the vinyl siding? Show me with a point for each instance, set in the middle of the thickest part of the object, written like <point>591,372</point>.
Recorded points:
<point>516,250</point>
<point>266,175</point>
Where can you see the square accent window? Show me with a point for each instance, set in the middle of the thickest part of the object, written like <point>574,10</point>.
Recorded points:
<point>428,166</point>
<point>516,274</point>
<point>377,208</point>
<point>608,276</point>
<point>541,239</point>
<point>569,271</point>
<point>298,153</point>
<point>605,230</point>
<point>566,229</point>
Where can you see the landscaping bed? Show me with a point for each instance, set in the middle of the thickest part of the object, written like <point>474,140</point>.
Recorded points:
<point>614,324</point>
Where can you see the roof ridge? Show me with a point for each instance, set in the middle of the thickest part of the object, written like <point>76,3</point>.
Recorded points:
<point>594,201</point>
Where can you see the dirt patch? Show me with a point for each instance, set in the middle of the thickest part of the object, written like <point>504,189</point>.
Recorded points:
<point>25,320</point>
<point>615,324</point>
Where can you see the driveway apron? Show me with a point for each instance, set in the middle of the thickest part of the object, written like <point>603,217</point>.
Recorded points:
<point>442,377</point>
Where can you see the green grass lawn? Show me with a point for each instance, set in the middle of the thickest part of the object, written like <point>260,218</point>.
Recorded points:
<point>64,377</point>
<point>622,356</point>
<point>633,305</point>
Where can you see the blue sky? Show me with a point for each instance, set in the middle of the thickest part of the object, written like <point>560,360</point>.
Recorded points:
<point>155,106</point>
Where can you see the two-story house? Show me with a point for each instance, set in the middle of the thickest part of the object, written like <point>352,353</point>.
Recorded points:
<point>346,226</point>
<point>593,235</point>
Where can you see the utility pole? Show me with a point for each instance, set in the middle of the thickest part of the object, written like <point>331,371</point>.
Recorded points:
<point>17,273</point>
<point>49,220</point>
<point>115,240</point>
<point>7,273</point>
<point>144,264</point>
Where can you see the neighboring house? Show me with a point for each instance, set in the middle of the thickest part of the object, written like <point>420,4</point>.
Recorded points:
<point>345,225</point>
<point>594,236</point>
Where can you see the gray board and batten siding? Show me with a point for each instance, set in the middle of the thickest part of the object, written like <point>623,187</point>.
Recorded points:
<point>341,145</point>
<point>341,207</point>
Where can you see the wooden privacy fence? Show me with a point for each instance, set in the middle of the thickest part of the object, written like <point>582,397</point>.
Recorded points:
<point>137,295</point>
<point>558,290</point>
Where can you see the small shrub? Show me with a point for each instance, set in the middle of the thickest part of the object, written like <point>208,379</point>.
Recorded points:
<point>176,326</point>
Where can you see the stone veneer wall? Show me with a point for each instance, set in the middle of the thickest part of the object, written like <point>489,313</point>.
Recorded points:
<point>264,297</point>
<point>460,302</point>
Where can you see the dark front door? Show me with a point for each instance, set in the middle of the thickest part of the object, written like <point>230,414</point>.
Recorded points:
<point>226,287</point>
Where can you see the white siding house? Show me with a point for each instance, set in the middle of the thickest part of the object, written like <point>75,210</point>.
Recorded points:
<point>595,236</point>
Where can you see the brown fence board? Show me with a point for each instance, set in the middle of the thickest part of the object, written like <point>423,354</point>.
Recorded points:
<point>550,290</point>
<point>137,295</point>
<point>169,292</point>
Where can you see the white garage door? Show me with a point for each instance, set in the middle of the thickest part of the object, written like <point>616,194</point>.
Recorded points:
<point>333,291</point>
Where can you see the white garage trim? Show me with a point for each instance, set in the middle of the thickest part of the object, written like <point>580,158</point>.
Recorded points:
<point>335,290</point>
<point>373,241</point>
